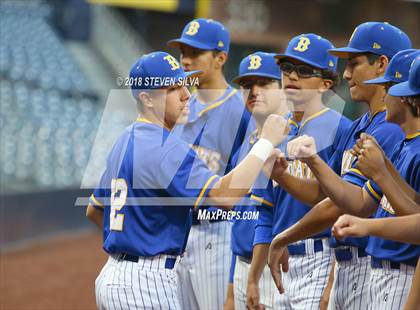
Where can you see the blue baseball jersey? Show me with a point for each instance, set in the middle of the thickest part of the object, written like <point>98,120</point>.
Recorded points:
<point>343,162</point>
<point>216,130</point>
<point>406,159</point>
<point>151,183</point>
<point>278,209</point>
<point>243,230</point>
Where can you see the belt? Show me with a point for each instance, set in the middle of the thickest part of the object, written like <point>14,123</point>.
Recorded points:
<point>169,263</point>
<point>246,260</point>
<point>300,249</point>
<point>342,255</point>
<point>382,263</point>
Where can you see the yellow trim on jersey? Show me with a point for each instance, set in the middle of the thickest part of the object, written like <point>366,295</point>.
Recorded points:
<point>413,135</point>
<point>259,199</point>
<point>145,120</point>
<point>357,171</point>
<point>203,190</point>
<point>217,103</point>
<point>97,203</point>
<point>290,121</point>
<point>379,111</point>
<point>372,191</point>
<point>314,116</point>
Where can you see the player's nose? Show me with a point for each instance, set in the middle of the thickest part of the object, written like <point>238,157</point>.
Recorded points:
<point>186,62</point>
<point>185,93</point>
<point>347,74</point>
<point>293,76</point>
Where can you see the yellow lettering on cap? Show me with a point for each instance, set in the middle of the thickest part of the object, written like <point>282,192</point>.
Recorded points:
<point>331,64</point>
<point>220,44</point>
<point>398,75</point>
<point>172,62</point>
<point>193,29</point>
<point>376,46</point>
<point>254,62</point>
<point>303,44</point>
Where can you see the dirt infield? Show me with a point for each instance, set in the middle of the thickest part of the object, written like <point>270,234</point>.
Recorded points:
<point>55,275</point>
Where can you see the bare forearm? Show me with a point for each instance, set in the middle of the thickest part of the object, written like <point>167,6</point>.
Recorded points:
<point>259,260</point>
<point>319,218</point>
<point>403,229</point>
<point>399,198</point>
<point>293,185</point>
<point>95,216</point>
<point>413,299</point>
<point>345,195</point>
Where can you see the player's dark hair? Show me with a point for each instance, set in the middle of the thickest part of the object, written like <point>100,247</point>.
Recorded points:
<point>414,103</point>
<point>372,58</point>
<point>335,78</point>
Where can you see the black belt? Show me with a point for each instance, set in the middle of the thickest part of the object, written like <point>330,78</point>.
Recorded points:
<point>300,249</point>
<point>169,263</point>
<point>379,263</point>
<point>244,259</point>
<point>342,255</point>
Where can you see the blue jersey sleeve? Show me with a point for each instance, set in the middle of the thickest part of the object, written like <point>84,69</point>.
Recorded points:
<point>387,135</point>
<point>232,268</point>
<point>102,193</point>
<point>190,179</point>
<point>264,199</point>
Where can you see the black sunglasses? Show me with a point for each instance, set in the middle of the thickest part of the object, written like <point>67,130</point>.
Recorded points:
<point>303,71</point>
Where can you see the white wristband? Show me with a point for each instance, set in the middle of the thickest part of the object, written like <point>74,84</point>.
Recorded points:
<point>262,149</point>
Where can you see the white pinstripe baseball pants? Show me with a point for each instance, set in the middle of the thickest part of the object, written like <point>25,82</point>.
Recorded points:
<point>204,268</point>
<point>389,288</point>
<point>240,281</point>
<point>305,282</point>
<point>351,283</point>
<point>143,285</point>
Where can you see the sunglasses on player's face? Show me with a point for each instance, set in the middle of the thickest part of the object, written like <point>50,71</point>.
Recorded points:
<point>303,71</point>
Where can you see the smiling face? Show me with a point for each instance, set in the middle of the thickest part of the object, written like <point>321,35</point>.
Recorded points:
<point>301,90</point>
<point>262,96</point>
<point>358,69</point>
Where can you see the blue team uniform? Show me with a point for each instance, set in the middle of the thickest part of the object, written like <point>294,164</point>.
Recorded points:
<point>343,162</point>
<point>327,127</point>
<point>243,230</point>
<point>225,117</point>
<point>148,228</point>
<point>406,159</point>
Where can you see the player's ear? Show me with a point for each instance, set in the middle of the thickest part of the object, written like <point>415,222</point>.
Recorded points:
<point>145,99</point>
<point>221,58</point>
<point>381,65</point>
<point>326,85</point>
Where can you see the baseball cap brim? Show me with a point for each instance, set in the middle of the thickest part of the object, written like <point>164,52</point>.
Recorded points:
<point>270,76</point>
<point>379,80</point>
<point>345,52</point>
<point>403,89</point>
<point>285,56</point>
<point>176,43</point>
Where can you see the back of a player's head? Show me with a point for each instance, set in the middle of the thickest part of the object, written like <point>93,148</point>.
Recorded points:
<point>204,34</point>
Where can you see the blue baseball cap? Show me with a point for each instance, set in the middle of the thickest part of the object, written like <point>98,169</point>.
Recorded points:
<point>398,68</point>
<point>374,37</point>
<point>410,87</point>
<point>311,49</point>
<point>259,64</point>
<point>157,70</point>
<point>205,34</point>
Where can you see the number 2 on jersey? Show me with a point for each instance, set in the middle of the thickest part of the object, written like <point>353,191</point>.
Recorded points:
<point>118,197</point>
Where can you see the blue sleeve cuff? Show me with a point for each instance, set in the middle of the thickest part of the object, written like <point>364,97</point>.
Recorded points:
<point>205,190</point>
<point>356,177</point>
<point>373,190</point>
<point>263,235</point>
